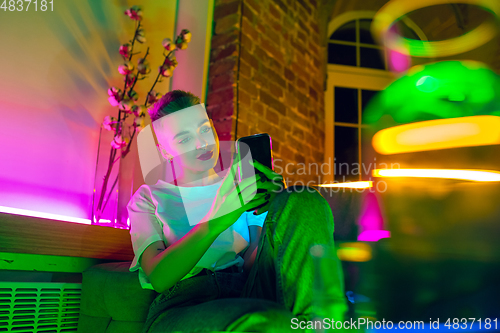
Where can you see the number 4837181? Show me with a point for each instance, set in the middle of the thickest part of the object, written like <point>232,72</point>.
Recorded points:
<point>462,323</point>
<point>25,5</point>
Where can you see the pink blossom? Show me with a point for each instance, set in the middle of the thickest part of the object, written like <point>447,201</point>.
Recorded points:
<point>135,110</point>
<point>114,101</point>
<point>113,91</point>
<point>168,45</point>
<point>108,122</point>
<point>171,62</point>
<point>135,13</point>
<point>126,68</point>
<point>138,110</point>
<point>114,96</point>
<point>139,122</point>
<point>165,70</point>
<point>143,66</point>
<point>129,80</point>
<point>153,96</point>
<point>126,105</point>
<point>118,142</point>
<point>125,50</point>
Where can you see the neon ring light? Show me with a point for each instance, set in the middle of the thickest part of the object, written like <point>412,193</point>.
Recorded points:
<point>395,9</point>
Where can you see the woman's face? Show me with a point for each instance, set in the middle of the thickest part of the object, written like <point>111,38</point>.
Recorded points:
<point>184,133</point>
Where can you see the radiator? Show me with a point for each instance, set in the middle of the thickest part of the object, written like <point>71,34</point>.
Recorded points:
<point>29,307</point>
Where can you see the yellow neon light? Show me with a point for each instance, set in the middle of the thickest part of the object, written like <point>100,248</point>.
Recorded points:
<point>395,9</point>
<point>438,134</point>
<point>363,184</point>
<point>472,175</point>
<point>358,252</point>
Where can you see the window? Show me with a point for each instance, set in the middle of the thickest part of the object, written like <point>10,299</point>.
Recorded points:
<point>353,45</point>
<point>357,70</point>
<point>349,105</point>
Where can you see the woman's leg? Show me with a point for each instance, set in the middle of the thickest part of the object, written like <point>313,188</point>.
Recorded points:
<point>210,303</point>
<point>284,270</point>
<point>206,302</point>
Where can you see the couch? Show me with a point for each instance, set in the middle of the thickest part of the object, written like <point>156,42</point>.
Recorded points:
<point>114,302</point>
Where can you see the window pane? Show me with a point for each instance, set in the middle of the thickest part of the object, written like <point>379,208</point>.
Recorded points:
<point>347,32</point>
<point>365,35</point>
<point>346,154</point>
<point>341,54</point>
<point>346,105</point>
<point>366,96</point>
<point>371,58</point>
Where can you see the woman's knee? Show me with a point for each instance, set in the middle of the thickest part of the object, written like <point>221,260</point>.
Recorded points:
<point>303,193</point>
<point>309,201</point>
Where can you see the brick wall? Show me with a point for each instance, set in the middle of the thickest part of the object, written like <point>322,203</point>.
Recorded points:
<point>267,75</point>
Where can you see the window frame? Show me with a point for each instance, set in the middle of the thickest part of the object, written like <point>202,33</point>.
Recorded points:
<point>355,78</point>
<point>359,45</point>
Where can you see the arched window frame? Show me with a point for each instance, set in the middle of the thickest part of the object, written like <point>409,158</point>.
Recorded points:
<point>356,78</point>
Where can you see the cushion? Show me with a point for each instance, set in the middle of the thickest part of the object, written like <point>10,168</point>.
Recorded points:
<point>110,292</point>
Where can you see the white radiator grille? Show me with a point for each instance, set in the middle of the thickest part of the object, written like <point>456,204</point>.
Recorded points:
<point>31,307</point>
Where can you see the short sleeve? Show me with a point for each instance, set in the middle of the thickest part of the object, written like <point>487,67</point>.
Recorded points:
<point>145,228</point>
<point>257,220</point>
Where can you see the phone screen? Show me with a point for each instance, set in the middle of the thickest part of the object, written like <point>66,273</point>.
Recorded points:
<point>259,146</point>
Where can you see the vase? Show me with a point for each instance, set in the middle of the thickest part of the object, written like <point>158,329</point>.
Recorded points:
<point>106,182</point>
<point>114,186</point>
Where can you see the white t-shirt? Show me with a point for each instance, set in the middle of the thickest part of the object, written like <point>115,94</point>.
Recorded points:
<point>167,212</point>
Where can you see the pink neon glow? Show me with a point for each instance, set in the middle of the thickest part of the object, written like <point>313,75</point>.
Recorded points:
<point>371,214</point>
<point>371,220</point>
<point>272,159</point>
<point>24,212</point>
<point>373,235</point>
<point>398,62</point>
<point>53,106</point>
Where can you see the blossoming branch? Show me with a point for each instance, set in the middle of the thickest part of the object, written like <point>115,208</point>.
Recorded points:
<point>126,99</point>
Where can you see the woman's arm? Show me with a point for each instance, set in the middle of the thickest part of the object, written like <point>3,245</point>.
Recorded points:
<point>251,252</point>
<point>165,266</point>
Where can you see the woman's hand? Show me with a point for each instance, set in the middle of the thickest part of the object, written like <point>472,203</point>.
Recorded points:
<point>274,184</point>
<point>232,199</point>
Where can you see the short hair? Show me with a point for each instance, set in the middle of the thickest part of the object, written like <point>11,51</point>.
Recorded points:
<point>171,102</point>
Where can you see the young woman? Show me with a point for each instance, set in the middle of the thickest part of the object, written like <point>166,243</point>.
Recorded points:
<point>215,262</point>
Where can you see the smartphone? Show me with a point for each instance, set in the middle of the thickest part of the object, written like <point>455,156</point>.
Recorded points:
<point>260,148</point>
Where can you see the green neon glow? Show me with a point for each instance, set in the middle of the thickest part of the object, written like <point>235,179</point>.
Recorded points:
<point>456,96</point>
<point>427,84</point>
<point>447,89</point>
